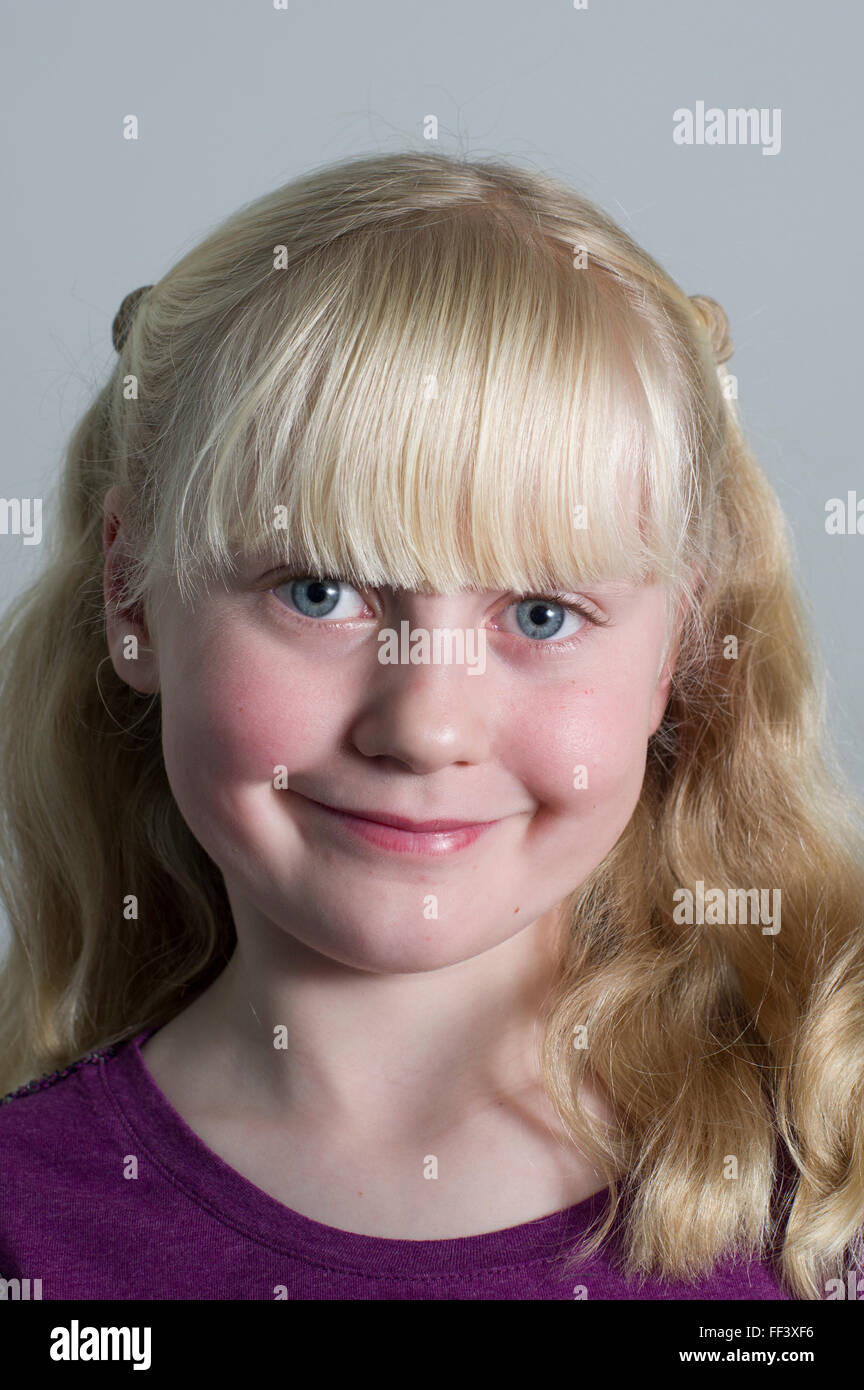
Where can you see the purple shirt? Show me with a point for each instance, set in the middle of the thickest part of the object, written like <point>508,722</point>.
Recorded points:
<point>191,1227</point>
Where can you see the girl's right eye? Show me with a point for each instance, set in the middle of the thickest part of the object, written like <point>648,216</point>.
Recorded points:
<point>319,598</point>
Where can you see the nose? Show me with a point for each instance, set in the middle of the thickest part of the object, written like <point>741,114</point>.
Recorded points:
<point>426,716</point>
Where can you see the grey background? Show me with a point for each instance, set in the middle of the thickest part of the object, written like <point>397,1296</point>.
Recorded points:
<point>234,98</point>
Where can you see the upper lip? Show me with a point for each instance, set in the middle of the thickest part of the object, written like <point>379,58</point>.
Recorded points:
<point>401,822</point>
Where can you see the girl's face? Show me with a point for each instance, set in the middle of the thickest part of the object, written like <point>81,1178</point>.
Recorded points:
<point>274,700</point>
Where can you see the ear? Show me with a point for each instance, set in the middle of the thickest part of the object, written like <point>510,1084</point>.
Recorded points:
<point>129,644</point>
<point>660,698</point>
<point>669,660</point>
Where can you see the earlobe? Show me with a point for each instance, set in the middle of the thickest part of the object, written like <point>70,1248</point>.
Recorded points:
<point>131,651</point>
<point>663,688</point>
<point>665,675</point>
<point>660,702</point>
<point>130,648</point>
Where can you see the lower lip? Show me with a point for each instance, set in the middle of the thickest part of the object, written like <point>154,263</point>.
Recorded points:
<point>406,841</point>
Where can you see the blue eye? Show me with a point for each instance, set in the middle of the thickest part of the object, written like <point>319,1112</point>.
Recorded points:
<point>537,617</point>
<point>542,616</point>
<point>317,598</point>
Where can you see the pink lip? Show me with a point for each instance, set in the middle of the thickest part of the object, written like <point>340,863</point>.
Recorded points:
<point>402,822</point>
<point>405,836</point>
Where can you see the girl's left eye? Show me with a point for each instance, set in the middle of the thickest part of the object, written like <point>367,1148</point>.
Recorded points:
<point>544,617</point>
<point>539,618</point>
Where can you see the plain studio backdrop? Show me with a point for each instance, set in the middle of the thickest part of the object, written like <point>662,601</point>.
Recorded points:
<point>234,97</point>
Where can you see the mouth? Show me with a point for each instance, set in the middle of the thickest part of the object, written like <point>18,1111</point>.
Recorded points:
<point>402,822</point>
<point>402,835</point>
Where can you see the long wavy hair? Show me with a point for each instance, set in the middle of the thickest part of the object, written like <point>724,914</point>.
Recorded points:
<point>424,367</point>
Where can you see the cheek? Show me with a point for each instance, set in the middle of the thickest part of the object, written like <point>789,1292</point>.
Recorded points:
<point>584,748</point>
<point>231,714</point>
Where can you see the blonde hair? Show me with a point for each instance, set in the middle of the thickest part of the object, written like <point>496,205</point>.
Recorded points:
<point>455,356</point>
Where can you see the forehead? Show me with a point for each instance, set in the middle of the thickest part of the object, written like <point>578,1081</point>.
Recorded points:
<point>545,452</point>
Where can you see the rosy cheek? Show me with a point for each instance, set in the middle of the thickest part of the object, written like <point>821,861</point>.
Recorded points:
<point>594,751</point>
<point>238,710</point>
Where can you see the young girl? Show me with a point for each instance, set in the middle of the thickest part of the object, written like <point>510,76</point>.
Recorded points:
<point>441,888</point>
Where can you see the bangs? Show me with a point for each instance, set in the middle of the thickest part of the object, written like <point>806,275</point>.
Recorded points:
<point>447,402</point>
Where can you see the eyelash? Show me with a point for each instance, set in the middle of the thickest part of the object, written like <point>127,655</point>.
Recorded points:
<point>581,609</point>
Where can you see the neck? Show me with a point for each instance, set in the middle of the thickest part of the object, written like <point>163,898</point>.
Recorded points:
<point>363,1053</point>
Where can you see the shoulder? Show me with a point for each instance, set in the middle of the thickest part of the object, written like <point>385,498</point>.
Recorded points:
<point>49,1080</point>
<point>49,1104</point>
<point>60,1134</point>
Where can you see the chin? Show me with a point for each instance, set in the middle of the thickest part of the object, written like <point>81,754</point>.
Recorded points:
<point>394,950</point>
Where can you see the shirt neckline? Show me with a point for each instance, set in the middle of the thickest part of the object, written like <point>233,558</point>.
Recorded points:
<point>184,1159</point>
